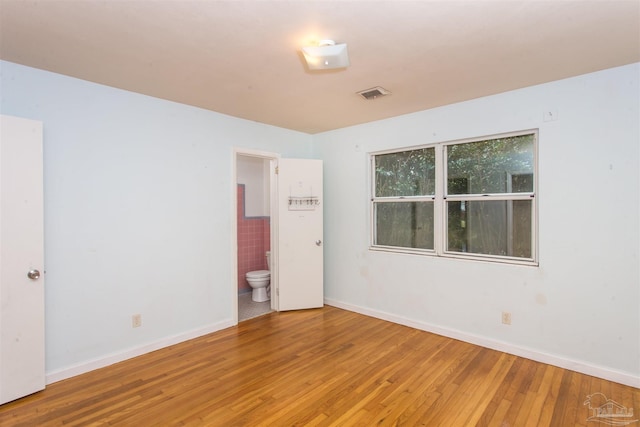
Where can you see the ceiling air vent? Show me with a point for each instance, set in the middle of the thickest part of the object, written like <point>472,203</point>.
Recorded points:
<point>374,92</point>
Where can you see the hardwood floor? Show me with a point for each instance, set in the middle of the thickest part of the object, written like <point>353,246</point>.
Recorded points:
<point>324,367</point>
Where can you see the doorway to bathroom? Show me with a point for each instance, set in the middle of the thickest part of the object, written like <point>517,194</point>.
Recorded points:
<point>278,209</point>
<point>253,231</point>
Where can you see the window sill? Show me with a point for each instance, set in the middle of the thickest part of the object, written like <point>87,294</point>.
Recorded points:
<point>457,255</point>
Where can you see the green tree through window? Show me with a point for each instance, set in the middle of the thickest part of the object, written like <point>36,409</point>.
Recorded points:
<point>487,200</point>
<point>409,177</point>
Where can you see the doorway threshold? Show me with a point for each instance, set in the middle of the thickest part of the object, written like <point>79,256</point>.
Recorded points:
<point>248,309</point>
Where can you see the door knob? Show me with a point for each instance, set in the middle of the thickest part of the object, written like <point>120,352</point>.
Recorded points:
<point>318,242</point>
<point>33,274</point>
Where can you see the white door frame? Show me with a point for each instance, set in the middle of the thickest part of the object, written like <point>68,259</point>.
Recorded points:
<point>234,224</point>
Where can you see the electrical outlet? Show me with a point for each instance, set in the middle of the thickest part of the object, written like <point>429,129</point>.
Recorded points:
<point>506,318</point>
<point>136,320</point>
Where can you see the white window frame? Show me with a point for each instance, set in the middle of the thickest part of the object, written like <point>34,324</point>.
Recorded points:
<point>440,203</point>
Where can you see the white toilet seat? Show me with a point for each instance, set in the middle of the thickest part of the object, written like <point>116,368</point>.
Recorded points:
<point>259,274</point>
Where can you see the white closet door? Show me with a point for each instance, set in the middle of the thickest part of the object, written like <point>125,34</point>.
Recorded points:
<point>21,259</point>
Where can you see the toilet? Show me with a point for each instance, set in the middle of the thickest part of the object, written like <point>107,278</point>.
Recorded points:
<point>259,282</point>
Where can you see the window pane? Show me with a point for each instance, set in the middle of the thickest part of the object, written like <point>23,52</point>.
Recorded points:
<point>405,224</point>
<point>503,165</point>
<point>490,227</point>
<point>409,173</point>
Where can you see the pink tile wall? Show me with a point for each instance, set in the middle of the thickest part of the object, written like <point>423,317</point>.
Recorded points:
<point>254,239</point>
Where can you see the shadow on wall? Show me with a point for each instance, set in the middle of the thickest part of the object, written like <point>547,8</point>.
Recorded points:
<point>254,240</point>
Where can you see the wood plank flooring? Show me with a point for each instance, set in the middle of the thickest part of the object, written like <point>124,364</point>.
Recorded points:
<point>324,367</point>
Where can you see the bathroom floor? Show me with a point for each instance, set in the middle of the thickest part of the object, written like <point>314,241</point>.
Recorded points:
<point>248,309</point>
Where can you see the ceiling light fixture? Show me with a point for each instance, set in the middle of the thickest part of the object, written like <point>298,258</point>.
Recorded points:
<point>326,56</point>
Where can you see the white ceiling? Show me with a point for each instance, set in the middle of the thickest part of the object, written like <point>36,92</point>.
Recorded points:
<point>242,58</point>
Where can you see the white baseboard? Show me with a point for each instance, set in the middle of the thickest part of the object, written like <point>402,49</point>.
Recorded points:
<point>528,353</point>
<point>110,359</point>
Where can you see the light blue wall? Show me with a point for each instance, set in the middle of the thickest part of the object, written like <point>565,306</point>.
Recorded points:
<point>582,304</point>
<point>138,211</point>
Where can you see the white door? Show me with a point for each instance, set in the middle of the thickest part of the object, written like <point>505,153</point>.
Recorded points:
<point>21,259</point>
<point>299,263</point>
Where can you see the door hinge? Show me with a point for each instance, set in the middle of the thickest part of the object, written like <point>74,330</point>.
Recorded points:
<point>277,169</point>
